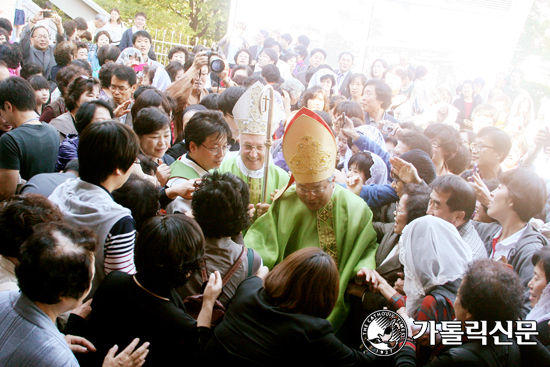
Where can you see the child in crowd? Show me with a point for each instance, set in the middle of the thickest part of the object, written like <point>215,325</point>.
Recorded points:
<point>41,90</point>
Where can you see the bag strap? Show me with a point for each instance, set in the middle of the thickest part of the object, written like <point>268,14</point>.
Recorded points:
<point>250,255</point>
<point>234,268</point>
<point>204,271</point>
<point>441,303</point>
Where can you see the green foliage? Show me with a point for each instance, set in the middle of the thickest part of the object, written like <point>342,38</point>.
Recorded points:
<point>535,38</point>
<point>202,19</point>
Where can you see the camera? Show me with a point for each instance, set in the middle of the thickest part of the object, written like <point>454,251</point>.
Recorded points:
<point>48,14</point>
<point>215,62</point>
<point>389,128</point>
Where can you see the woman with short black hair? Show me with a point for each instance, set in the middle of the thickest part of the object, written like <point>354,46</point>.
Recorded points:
<point>315,99</point>
<point>356,85</point>
<point>148,204</point>
<point>81,89</point>
<point>446,142</point>
<point>89,112</point>
<point>101,39</point>
<point>168,251</point>
<point>220,206</point>
<point>152,127</point>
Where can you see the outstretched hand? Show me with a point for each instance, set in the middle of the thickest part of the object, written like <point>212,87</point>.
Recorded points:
<point>262,208</point>
<point>128,357</point>
<point>184,189</point>
<point>347,128</point>
<point>483,195</point>
<point>213,287</point>
<point>79,344</point>
<point>163,173</point>
<point>122,110</point>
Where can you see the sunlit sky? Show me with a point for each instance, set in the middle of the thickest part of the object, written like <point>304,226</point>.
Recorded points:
<point>455,39</point>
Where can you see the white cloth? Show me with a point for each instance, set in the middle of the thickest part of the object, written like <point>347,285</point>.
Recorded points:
<point>373,134</point>
<point>247,172</point>
<point>124,57</point>
<point>8,280</point>
<point>284,69</point>
<point>541,311</point>
<point>316,80</point>
<point>378,171</point>
<point>503,248</point>
<point>179,204</point>
<point>433,253</point>
<point>115,31</point>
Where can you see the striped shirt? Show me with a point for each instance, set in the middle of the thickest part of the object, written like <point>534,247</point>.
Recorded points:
<point>119,247</point>
<point>469,235</point>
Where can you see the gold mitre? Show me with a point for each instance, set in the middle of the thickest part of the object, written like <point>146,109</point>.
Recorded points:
<point>251,111</point>
<point>309,147</point>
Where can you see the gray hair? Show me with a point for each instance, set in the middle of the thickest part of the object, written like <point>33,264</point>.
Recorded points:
<point>103,17</point>
<point>294,87</point>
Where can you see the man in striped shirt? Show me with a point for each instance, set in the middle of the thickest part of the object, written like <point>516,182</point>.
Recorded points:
<point>106,153</point>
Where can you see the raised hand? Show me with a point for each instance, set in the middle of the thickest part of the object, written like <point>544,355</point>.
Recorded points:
<point>404,170</point>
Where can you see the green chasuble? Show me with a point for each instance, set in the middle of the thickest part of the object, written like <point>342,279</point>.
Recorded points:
<point>343,229</point>
<point>278,179</point>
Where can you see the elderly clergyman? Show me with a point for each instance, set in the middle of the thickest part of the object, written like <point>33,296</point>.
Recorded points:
<point>249,165</point>
<point>315,212</point>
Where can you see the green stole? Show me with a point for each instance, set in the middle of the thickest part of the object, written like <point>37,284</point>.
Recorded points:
<point>180,169</point>
<point>278,179</point>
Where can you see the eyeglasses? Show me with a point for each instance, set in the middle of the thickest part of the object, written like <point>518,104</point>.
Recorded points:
<point>394,177</point>
<point>119,88</point>
<point>315,192</point>
<point>218,150</point>
<point>478,147</point>
<point>248,148</point>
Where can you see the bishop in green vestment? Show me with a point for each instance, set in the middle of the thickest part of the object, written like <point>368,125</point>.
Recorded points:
<point>316,212</point>
<point>250,113</point>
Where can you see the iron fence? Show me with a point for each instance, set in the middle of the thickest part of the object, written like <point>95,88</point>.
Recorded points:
<point>164,40</point>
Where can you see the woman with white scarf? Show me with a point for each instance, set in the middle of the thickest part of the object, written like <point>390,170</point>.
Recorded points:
<point>154,71</point>
<point>326,79</point>
<point>435,258</point>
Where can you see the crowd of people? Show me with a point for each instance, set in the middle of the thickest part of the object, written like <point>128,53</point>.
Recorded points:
<point>183,213</point>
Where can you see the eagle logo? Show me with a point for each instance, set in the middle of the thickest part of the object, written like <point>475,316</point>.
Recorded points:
<point>384,332</point>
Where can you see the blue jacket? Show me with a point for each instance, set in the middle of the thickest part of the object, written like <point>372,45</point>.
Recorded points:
<point>67,151</point>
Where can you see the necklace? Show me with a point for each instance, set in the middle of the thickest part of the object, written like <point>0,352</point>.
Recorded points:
<point>148,291</point>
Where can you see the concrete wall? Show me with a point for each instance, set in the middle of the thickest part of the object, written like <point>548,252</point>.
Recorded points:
<point>86,9</point>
